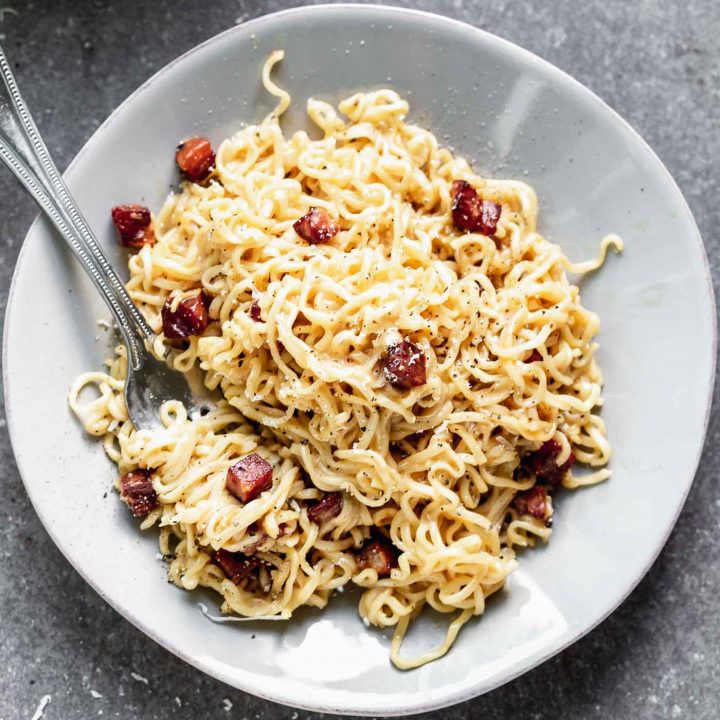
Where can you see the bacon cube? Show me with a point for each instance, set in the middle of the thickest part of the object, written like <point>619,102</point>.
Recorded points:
<point>249,477</point>
<point>195,158</point>
<point>133,223</point>
<point>405,365</point>
<point>470,212</point>
<point>380,555</point>
<point>543,463</point>
<point>534,356</point>
<point>255,312</point>
<point>327,508</point>
<point>190,317</point>
<point>136,489</point>
<point>532,502</point>
<point>235,565</point>
<point>316,226</point>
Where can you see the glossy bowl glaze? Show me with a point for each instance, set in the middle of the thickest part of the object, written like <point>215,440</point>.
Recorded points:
<point>512,115</point>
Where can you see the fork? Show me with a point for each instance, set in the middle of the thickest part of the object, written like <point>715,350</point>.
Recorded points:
<point>150,381</point>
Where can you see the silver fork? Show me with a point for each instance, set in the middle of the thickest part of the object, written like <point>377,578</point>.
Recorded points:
<point>150,381</point>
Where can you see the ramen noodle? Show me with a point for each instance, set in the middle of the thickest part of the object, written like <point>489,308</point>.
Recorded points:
<point>407,373</point>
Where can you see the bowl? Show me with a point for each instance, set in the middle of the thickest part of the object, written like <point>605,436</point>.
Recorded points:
<point>512,115</point>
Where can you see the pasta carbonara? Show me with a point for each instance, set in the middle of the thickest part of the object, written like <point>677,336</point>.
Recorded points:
<point>393,339</point>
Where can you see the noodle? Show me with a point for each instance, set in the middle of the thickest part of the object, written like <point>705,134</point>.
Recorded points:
<point>435,468</point>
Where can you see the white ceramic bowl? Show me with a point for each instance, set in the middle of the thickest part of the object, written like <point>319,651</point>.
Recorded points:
<point>512,115</point>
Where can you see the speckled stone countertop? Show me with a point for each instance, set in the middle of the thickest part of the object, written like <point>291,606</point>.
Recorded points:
<point>655,61</point>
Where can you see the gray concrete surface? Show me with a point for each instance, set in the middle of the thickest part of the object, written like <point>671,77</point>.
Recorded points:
<point>658,63</point>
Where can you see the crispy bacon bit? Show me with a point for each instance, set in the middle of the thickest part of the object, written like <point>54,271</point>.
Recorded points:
<point>470,212</point>
<point>133,225</point>
<point>405,365</point>
<point>543,463</point>
<point>136,489</point>
<point>327,509</point>
<point>236,565</point>
<point>255,312</point>
<point>195,158</point>
<point>190,317</point>
<point>380,555</point>
<point>247,478</point>
<point>534,356</point>
<point>532,502</point>
<point>316,227</point>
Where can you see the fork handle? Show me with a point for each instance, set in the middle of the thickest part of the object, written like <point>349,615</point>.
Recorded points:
<point>22,149</point>
<point>68,232</point>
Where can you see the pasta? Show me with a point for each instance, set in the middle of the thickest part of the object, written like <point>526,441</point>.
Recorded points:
<point>451,473</point>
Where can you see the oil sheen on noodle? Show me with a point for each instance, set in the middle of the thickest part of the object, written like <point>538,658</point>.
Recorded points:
<point>432,466</point>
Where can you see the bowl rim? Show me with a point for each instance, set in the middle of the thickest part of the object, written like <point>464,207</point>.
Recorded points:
<point>439,699</point>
